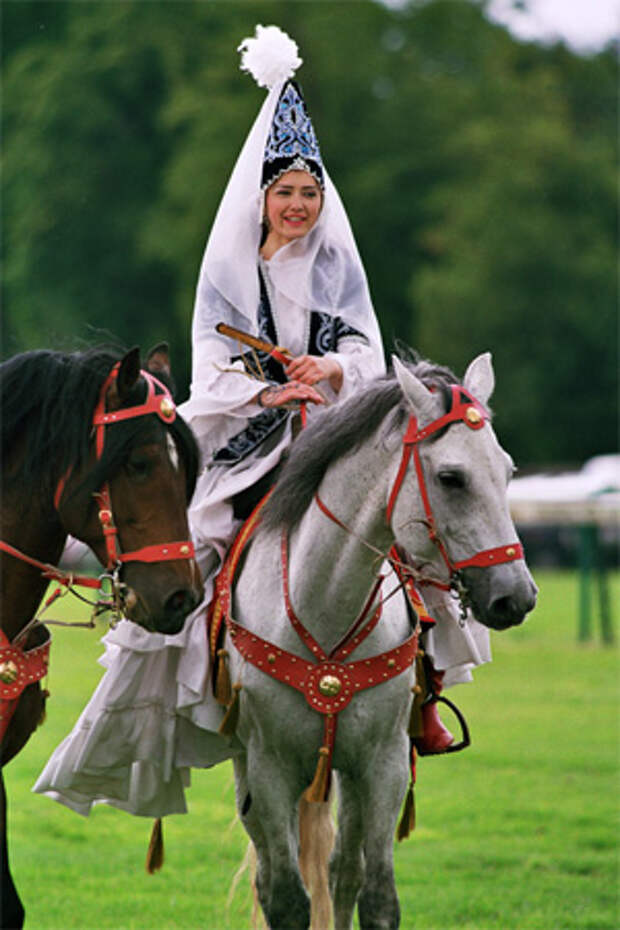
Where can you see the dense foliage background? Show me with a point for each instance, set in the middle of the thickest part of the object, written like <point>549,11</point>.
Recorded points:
<point>479,175</point>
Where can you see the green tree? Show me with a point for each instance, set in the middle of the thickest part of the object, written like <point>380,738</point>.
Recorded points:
<point>478,173</point>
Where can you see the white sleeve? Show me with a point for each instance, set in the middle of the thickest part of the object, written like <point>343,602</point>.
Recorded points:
<point>359,365</point>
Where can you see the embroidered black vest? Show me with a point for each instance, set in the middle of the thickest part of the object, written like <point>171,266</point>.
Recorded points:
<point>325,333</point>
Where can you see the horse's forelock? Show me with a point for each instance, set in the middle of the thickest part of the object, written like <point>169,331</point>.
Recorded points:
<point>47,401</point>
<point>340,430</point>
<point>49,397</point>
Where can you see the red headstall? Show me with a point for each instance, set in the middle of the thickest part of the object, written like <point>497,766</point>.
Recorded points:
<point>464,409</point>
<point>158,401</point>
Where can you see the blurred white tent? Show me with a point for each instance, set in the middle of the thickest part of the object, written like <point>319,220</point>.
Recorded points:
<point>589,501</point>
<point>588,496</point>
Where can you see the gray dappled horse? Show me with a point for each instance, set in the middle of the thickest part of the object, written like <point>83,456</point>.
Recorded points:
<point>450,514</point>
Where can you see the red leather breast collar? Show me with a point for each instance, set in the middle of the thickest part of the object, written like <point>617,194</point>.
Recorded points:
<point>18,669</point>
<point>327,681</point>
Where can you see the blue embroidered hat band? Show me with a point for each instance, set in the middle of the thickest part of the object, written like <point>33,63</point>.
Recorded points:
<point>291,144</point>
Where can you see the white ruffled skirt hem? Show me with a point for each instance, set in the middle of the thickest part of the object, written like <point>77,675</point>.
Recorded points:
<point>151,718</point>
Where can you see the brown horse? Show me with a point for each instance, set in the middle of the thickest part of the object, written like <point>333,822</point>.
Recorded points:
<point>91,447</point>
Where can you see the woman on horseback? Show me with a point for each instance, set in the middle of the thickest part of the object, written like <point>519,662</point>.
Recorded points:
<point>280,265</point>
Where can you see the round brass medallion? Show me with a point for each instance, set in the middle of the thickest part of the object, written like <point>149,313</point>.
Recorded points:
<point>166,407</point>
<point>329,685</point>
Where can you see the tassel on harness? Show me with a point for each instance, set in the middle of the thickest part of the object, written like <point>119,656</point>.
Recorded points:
<point>223,686</point>
<point>420,693</point>
<point>406,824</point>
<point>316,792</point>
<point>155,852</point>
<point>228,725</point>
<point>407,820</point>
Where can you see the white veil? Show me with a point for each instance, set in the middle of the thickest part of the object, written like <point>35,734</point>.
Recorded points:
<point>322,271</point>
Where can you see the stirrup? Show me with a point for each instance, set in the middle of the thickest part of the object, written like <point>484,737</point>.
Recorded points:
<point>465,738</point>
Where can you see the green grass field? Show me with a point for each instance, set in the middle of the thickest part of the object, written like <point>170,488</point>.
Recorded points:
<point>520,832</point>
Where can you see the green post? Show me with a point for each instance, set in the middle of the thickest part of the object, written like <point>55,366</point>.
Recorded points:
<point>587,548</point>
<point>607,631</point>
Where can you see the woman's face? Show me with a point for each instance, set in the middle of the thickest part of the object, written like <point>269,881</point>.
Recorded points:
<point>292,206</point>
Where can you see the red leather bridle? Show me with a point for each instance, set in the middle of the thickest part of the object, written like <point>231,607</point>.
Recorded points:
<point>158,401</point>
<point>464,409</point>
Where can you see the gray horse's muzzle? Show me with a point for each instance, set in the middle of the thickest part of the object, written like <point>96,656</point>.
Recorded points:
<point>500,596</point>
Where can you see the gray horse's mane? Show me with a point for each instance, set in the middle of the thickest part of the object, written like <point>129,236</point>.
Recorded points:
<point>339,430</point>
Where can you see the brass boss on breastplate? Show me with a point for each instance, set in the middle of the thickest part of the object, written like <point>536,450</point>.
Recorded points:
<point>330,685</point>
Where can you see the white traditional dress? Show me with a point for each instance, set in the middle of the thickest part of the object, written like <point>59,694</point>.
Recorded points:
<point>153,716</point>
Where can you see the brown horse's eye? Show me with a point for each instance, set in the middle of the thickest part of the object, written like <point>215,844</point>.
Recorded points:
<point>138,467</point>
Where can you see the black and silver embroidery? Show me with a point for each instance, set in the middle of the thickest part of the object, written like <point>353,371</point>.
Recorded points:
<point>326,332</point>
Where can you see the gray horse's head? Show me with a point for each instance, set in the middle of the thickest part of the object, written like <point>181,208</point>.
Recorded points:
<point>466,473</point>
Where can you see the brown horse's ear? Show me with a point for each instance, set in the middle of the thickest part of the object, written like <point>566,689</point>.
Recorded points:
<point>158,360</point>
<point>128,373</point>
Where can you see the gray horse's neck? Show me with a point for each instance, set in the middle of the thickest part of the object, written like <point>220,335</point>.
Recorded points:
<point>355,491</point>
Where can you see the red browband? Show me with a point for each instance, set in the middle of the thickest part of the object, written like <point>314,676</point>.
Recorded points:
<point>160,404</point>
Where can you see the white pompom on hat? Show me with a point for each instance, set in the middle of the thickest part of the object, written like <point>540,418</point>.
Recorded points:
<point>271,56</point>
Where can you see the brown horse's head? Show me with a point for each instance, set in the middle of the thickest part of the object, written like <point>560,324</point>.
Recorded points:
<point>129,501</point>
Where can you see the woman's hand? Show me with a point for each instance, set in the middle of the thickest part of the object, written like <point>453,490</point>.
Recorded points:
<point>313,368</point>
<point>280,395</point>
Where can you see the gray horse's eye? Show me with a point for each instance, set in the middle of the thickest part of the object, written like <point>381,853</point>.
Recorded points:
<point>450,478</point>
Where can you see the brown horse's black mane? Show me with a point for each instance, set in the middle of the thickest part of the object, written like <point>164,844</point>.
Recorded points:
<point>47,399</point>
<point>339,430</point>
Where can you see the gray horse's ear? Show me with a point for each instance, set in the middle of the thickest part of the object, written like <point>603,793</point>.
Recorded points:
<point>420,398</point>
<point>479,378</point>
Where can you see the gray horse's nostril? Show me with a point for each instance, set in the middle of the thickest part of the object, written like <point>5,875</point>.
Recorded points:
<point>509,610</point>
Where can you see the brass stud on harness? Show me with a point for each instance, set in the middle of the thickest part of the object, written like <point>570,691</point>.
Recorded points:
<point>166,407</point>
<point>473,416</point>
<point>510,551</point>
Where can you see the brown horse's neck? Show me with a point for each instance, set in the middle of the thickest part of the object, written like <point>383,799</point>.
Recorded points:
<point>36,531</point>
